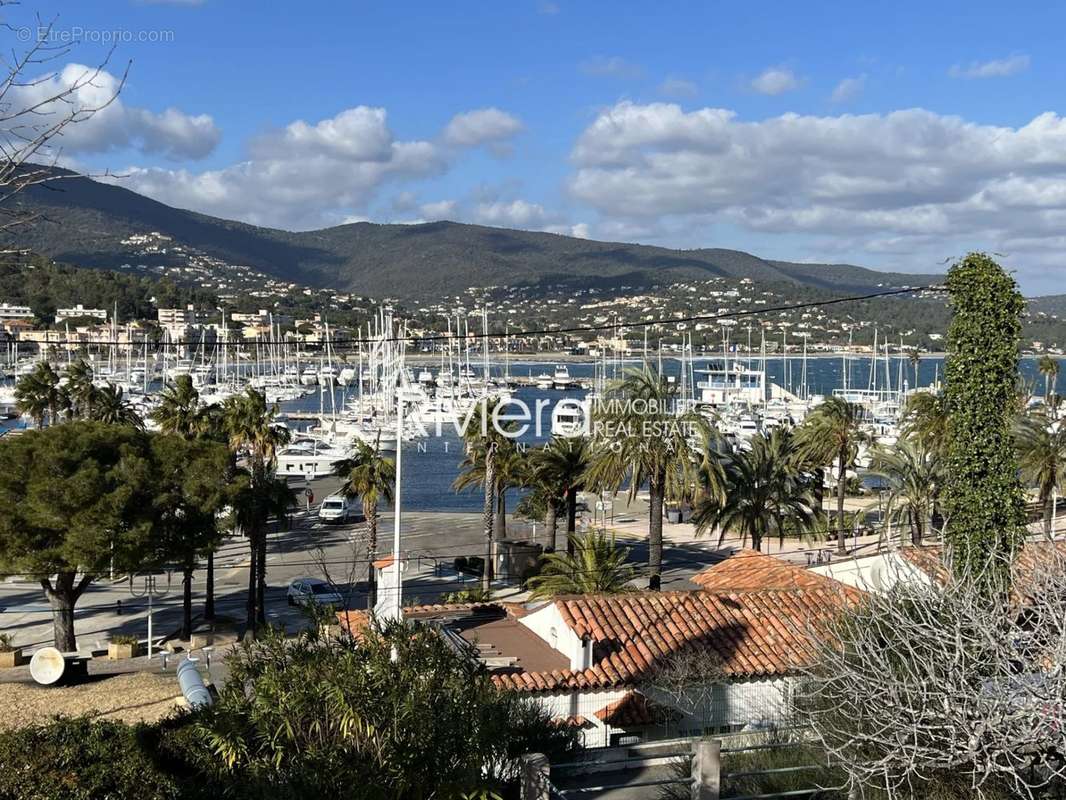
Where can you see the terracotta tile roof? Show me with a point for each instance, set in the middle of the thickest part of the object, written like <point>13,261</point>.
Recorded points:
<point>573,721</point>
<point>749,570</point>
<point>752,634</point>
<point>432,609</point>
<point>634,709</point>
<point>355,622</point>
<point>930,560</point>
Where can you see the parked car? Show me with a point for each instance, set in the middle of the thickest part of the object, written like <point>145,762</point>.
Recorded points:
<point>303,591</point>
<point>334,509</point>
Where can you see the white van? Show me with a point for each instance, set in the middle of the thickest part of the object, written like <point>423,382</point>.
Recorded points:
<point>334,509</point>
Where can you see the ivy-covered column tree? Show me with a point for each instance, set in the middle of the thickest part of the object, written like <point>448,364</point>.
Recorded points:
<point>982,497</point>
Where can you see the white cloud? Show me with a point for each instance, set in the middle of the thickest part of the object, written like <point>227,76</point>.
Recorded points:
<point>441,209</point>
<point>171,133</point>
<point>775,81</point>
<point>611,67</point>
<point>483,126</point>
<point>937,182</point>
<point>678,87</point>
<point>848,89</point>
<point>996,68</point>
<point>511,214</point>
<point>578,231</point>
<point>305,175</point>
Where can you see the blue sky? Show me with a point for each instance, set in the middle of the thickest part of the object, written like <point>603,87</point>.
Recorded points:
<point>829,131</point>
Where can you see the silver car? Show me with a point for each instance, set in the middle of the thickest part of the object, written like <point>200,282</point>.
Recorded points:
<point>303,591</point>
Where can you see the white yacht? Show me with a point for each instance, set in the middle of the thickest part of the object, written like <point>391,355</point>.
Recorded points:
<point>561,379</point>
<point>568,419</point>
<point>309,376</point>
<point>309,458</point>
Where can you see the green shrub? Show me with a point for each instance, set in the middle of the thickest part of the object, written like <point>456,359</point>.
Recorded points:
<point>5,643</point>
<point>473,594</point>
<point>124,638</point>
<point>79,759</point>
<point>398,714</point>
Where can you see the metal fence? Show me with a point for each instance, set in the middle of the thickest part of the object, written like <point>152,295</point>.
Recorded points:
<point>700,769</point>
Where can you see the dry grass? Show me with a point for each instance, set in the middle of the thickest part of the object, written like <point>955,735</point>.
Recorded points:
<point>146,696</point>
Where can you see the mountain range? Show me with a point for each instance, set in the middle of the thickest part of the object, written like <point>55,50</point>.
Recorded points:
<point>83,222</point>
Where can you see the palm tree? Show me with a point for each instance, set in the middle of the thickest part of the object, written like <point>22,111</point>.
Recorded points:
<point>596,565</point>
<point>543,501</point>
<point>563,463</point>
<point>831,435</point>
<point>640,437</point>
<point>1041,444</point>
<point>913,475</point>
<point>925,419</point>
<point>180,411</point>
<point>40,395</point>
<point>80,388</point>
<point>512,472</point>
<point>915,357</point>
<point>760,491</point>
<point>247,422</point>
<point>370,477</point>
<point>1049,368</point>
<point>109,405</point>
<point>484,439</point>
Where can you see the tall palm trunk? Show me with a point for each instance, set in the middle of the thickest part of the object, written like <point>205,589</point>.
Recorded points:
<point>488,515</point>
<point>260,589</point>
<point>1049,514</point>
<point>917,528</point>
<point>936,519</point>
<point>571,518</point>
<point>186,603</point>
<point>371,514</point>
<point>500,520</point>
<point>253,562</point>
<point>209,588</point>
<point>551,524</point>
<point>656,491</point>
<point>842,476</point>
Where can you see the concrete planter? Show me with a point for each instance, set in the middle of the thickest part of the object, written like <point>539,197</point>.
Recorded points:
<point>11,658</point>
<point>117,651</point>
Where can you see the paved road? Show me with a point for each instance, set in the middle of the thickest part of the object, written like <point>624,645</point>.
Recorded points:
<point>431,541</point>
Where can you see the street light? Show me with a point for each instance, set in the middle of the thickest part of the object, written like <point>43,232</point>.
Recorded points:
<point>392,608</point>
<point>150,590</point>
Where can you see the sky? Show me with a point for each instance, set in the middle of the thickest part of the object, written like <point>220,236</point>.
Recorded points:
<point>897,136</point>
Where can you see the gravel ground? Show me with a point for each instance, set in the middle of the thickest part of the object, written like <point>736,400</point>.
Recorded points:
<point>146,696</point>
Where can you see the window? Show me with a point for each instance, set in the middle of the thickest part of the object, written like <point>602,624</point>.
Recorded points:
<point>553,638</point>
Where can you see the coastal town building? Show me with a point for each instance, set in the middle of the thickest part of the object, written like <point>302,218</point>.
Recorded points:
<point>80,312</point>
<point>614,665</point>
<point>10,312</point>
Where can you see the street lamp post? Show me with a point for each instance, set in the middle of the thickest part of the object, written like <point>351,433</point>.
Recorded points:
<point>150,590</point>
<point>398,581</point>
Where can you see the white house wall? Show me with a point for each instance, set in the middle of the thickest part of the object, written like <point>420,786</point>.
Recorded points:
<point>875,573</point>
<point>738,705</point>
